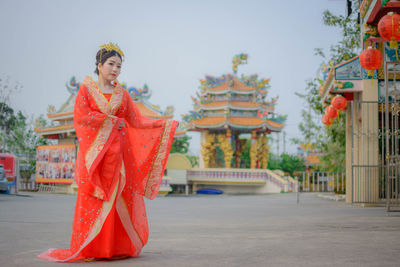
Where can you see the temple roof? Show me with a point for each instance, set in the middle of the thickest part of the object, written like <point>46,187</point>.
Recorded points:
<point>234,85</point>
<point>344,78</point>
<point>313,160</point>
<point>56,129</point>
<point>149,112</point>
<point>372,11</point>
<point>236,122</point>
<point>66,111</point>
<point>232,105</point>
<point>232,101</point>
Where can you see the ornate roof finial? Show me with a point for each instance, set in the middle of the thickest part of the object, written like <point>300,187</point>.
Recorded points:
<point>238,60</point>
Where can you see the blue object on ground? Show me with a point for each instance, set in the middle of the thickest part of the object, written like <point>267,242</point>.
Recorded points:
<point>209,191</point>
<point>10,185</point>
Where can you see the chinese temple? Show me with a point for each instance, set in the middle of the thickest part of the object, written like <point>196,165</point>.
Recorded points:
<point>228,106</point>
<point>311,156</point>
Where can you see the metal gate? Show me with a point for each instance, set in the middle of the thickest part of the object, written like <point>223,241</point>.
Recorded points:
<point>322,182</point>
<point>376,144</point>
<point>367,183</point>
<point>392,135</point>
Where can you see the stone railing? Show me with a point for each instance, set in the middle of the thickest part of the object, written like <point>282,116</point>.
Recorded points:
<point>240,176</point>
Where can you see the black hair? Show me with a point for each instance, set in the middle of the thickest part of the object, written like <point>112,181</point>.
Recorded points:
<point>103,55</point>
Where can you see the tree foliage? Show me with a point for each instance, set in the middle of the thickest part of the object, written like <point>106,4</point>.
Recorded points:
<point>19,138</point>
<point>194,160</point>
<point>330,140</point>
<point>181,145</point>
<point>286,162</point>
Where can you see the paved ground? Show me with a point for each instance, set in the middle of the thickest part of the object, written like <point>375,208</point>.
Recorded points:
<point>267,230</point>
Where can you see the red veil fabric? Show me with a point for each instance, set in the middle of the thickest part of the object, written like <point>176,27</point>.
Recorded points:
<point>115,169</point>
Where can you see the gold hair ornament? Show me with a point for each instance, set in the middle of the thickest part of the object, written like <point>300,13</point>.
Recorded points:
<point>110,47</point>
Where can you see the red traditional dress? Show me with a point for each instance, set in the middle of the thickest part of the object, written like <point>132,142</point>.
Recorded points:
<point>115,169</point>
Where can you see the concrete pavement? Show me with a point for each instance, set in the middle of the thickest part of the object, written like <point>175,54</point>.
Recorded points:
<point>263,230</point>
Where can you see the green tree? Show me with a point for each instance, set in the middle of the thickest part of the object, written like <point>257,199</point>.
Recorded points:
<point>245,156</point>
<point>291,163</point>
<point>181,145</point>
<point>329,139</point>
<point>194,160</point>
<point>7,121</point>
<point>274,162</point>
<point>20,138</point>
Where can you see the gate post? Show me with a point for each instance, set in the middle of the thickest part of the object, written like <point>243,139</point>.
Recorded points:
<point>349,150</point>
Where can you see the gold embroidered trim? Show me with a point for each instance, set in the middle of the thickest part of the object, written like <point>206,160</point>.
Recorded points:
<point>156,169</point>
<point>97,95</point>
<point>99,142</point>
<point>123,213</point>
<point>108,123</point>
<point>116,99</point>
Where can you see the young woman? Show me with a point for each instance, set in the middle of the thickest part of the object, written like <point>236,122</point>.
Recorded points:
<point>121,159</point>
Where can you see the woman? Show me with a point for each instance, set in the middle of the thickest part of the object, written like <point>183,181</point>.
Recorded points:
<point>121,159</point>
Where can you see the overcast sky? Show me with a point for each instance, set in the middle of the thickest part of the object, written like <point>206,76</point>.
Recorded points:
<point>169,45</point>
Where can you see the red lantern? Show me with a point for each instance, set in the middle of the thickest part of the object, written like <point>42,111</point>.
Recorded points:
<point>331,112</point>
<point>371,60</point>
<point>389,29</point>
<point>326,120</point>
<point>339,102</point>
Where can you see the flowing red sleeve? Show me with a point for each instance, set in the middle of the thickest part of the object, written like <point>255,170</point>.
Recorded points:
<point>136,120</point>
<point>146,150</point>
<point>95,132</point>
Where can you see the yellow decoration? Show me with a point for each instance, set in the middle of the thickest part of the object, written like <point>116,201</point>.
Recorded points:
<point>208,150</point>
<point>225,146</point>
<point>259,151</point>
<point>264,151</point>
<point>253,150</point>
<point>370,29</point>
<point>112,47</point>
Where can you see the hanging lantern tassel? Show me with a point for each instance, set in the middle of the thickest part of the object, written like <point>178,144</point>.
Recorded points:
<point>393,44</point>
<point>370,73</point>
<point>339,116</point>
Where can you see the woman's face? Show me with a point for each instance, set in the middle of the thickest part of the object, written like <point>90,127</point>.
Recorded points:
<point>111,69</point>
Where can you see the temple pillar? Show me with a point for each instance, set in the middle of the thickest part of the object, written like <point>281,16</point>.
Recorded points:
<point>203,135</point>
<point>264,151</point>
<point>237,150</point>
<point>208,149</point>
<point>253,150</point>
<point>349,136</point>
<point>226,147</point>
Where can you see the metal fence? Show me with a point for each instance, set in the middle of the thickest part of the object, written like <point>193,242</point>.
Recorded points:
<point>322,182</point>
<point>393,185</point>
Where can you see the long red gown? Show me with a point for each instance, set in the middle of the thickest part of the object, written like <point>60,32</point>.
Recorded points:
<point>115,169</point>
